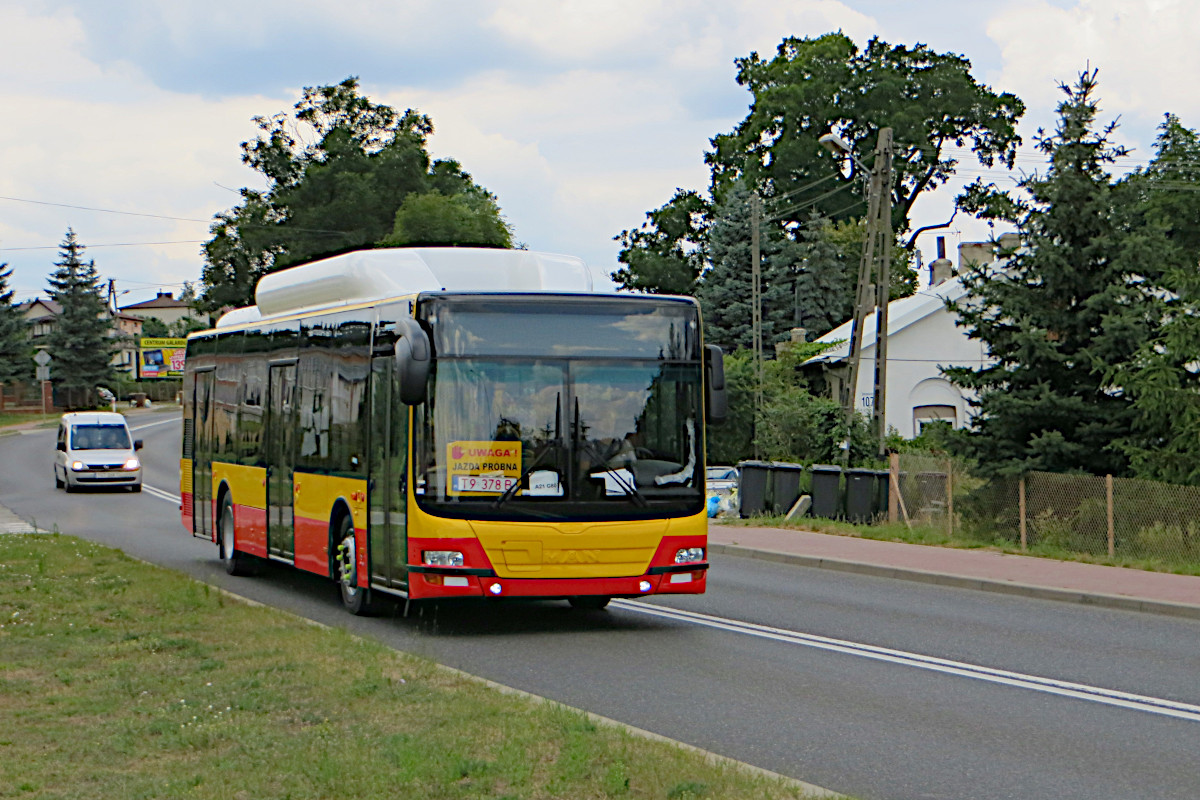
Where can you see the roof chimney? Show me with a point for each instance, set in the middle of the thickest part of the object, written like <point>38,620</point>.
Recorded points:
<point>941,269</point>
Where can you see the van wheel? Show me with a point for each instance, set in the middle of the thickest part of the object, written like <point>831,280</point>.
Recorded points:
<point>235,563</point>
<point>58,483</point>
<point>588,603</point>
<point>355,598</point>
<point>137,487</point>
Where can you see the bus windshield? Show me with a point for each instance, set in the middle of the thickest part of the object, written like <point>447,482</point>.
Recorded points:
<point>542,435</point>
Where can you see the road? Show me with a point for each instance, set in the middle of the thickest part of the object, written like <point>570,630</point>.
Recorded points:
<point>868,686</point>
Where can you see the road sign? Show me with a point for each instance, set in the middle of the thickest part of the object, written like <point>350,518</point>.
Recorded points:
<point>42,358</point>
<point>43,373</point>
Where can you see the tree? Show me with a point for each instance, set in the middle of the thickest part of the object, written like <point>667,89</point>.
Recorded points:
<point>468,218</point>
<point>1163,208</point>
<point>79,342</point>
<point>1067,307</point>
<point>15,351</point>
<point>813,87</point>
<point>337,171</point>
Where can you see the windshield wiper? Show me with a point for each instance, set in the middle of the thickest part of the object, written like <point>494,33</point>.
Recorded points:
<point>630,486</point>
<point>549,446</point>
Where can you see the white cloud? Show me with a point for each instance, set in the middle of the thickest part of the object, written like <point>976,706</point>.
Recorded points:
<point>1141,47</point>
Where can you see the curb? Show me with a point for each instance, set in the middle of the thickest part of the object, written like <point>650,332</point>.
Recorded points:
<point>1115,601</point>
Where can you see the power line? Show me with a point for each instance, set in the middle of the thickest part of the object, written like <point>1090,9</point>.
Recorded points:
<point>115,244</point>
<point>101,210</point>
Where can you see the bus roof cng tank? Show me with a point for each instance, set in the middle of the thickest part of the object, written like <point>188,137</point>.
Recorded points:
<point>367,275</point>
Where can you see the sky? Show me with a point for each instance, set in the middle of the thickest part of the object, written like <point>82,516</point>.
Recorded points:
<point>122,119</point>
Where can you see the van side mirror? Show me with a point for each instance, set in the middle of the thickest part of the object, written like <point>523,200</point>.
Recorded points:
<point>62,446</point>
<point>137,444</point>
<point>716,400</point>
<point>412,359</point>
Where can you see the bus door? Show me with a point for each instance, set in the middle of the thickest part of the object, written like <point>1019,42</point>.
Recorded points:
<point>387,496</point>
<point>280,450</point>
<point>202,452</point>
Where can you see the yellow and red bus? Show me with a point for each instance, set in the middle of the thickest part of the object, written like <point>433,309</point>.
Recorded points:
<point>454,422</point>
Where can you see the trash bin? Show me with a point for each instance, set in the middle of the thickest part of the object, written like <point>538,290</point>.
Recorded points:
<point>785,486</point>
<point>826,491</point>
<point>139,399</point>
<point>883,493</point>
<point>753,478</point>
<point>860,495</point>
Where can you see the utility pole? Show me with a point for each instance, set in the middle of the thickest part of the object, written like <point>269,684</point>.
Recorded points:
<point>883,285</point>
<point>876,260</point>
<point>756,310</point>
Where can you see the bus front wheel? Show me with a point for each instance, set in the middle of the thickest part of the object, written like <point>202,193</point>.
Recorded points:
<point>355,598</point>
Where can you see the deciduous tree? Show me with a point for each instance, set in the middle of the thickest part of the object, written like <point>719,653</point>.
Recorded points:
<point>809,88</point>
<point>337,170</point>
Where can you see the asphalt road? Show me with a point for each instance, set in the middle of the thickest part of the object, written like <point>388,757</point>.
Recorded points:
<point>869,686</point>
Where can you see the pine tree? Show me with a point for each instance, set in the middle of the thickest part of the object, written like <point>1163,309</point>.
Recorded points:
<point>14,335</point>
<point>79,343</point>
<point>1068,306</point>
<point>1163,208</point>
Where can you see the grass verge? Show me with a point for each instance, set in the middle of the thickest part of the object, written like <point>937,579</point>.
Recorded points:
<point>17,419</point>
<point>123,680</point>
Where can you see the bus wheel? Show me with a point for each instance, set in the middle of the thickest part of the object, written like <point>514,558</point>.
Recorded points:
<point>588,603</point>
<point>235,563</point>
<point>355,598</point>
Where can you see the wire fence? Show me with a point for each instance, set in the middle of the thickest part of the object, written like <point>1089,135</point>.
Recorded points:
<point>1046,512</point>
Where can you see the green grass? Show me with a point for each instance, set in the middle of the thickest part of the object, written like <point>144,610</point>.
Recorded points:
<point>936,535</point>
<point>9,418</point>
<point>123,680</point>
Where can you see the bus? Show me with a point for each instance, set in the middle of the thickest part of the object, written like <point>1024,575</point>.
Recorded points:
<point>437,423</point>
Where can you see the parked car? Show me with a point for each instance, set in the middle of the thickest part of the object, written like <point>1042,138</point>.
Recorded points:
<point>719,479</point>
<point>95,448</point>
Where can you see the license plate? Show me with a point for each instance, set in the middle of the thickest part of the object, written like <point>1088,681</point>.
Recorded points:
<point>482,484</point>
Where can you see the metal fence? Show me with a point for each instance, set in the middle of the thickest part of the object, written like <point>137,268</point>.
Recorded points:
<point>1086,514</point>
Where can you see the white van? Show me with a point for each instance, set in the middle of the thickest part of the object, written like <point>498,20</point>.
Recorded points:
<point>96,449</point>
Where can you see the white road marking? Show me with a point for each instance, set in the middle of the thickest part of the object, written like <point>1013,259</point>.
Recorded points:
<point>152,424</point>
<point>162,495</point>
<point>1095,694</point>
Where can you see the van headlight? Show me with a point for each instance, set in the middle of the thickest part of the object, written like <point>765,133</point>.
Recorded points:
<point>77,466</point>
<point>132,463</point>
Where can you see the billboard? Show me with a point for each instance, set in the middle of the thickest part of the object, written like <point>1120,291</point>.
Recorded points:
<point>161,358</point>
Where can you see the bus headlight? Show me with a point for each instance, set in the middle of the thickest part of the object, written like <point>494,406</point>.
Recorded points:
<point>442,558</point>
<point>686,555</point>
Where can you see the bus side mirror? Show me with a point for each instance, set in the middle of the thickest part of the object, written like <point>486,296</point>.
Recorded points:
<point>412,361</point>
<point>715,400</point>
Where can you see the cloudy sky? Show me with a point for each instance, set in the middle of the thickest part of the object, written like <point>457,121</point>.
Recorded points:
<point>122,118</point>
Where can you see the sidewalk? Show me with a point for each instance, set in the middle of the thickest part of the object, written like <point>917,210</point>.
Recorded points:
<point>1093,584</point>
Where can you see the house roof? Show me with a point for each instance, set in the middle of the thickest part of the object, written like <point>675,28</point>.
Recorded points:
<point>164,300</point>
<point>902,313</point>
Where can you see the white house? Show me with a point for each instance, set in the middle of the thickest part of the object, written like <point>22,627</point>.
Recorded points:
<point>922,338</point>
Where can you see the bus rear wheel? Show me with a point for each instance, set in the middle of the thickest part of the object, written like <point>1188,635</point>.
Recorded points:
<point>589,602</point>
<point>236,563</point>
<point>356,599</point>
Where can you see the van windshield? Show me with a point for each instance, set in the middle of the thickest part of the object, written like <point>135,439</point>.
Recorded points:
<point>99,437</point>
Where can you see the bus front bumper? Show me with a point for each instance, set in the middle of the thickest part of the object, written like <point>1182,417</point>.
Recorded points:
<point>427,582</point>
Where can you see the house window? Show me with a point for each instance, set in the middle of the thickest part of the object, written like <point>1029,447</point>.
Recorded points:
<point>924,415</point>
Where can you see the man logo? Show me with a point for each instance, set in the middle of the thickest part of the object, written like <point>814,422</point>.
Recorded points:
<point>573,557</point>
